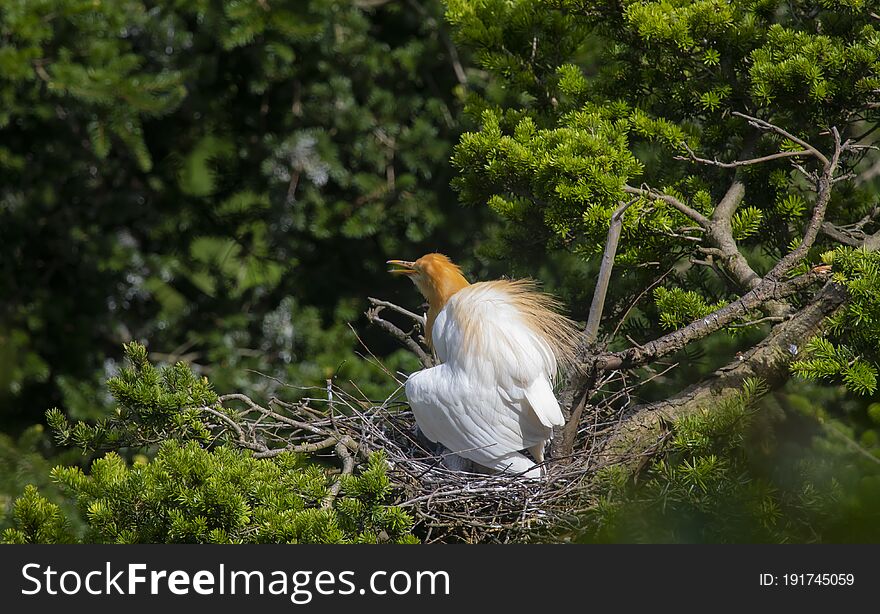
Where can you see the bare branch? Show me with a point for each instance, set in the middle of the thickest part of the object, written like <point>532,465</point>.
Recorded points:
<point>347,458</point>
<point>764,125</point>
<point>826,183</point>
<point>841,235</point>
<point>410,343</point>
<point>767,290</point>
<point>684,209</point>
<point>598,304</point>
<point>268,412</point>
<point>730,201</point>
<point>413,316</point>
<point>738,163</point>
<point>640,427</point>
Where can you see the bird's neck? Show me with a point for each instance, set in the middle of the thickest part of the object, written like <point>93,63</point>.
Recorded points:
<point>438,293</point>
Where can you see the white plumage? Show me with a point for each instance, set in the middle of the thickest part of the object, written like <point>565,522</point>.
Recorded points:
<point>492,396</point>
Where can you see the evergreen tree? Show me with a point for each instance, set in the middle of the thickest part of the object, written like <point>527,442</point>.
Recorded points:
<point>732,144</point>
<point>201,487</point>
<point>220,180</point>
<point>226,181</point>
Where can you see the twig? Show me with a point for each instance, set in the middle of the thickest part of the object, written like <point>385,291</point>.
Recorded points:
<point>758,321</point>
<point>739,163</point>
<point>632,305</point>
<point>254,406</point>
<point>414,316</point>
<point>457,67</point>
<point>410,343</point>
<point>826,182</point>
<point>764,125</point>
<point>693,214</point>
<point>841,235</point>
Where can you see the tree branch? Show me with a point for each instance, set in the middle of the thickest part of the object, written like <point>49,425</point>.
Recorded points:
<point>763,125</point>
<point>642,426</point>
<point>766,290</point>
<point>591,331</point>
<point>825,185</point>
<point>730,201</point>
<point>347,458</point>
<point>770,288</point>
<point>836,233</point>
<point>693,214</point>
<point>414,316</point>
<point>410,343</point>
<point>739,163</point>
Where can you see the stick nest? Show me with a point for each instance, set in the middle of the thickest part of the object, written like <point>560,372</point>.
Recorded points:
<point>448,504</point>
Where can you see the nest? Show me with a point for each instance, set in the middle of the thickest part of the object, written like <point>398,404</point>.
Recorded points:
<point>452,500</point>
<point>447,503</point>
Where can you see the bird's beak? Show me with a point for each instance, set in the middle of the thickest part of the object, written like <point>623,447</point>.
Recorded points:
<point>404,267</point>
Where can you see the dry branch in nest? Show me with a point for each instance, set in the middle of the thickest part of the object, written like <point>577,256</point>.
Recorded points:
<point>344,426</point>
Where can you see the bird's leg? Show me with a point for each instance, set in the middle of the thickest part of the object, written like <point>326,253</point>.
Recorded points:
<point>537,452</point>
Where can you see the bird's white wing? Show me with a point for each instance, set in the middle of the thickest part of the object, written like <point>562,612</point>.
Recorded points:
<point>473,420</point>
<point>481,332</point>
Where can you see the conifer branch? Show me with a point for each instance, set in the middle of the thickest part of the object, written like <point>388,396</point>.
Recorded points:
<point>825,185</point>
<point>764,125</point>
<point>841,235</point>
<point>763,291</point>
<point>767,290</point>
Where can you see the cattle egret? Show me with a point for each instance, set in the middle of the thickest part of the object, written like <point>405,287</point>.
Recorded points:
<point>499,344</point>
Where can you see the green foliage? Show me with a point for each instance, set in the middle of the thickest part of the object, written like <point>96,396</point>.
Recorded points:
<point>730,473</point>
<point>679,307</point>
<point>227,180</point>
<point>23,462</point>
<point>191,495</point>
<point>836,363</point>
<point>223,179</point>
<point>830,72</point>
<point>201,487</point>
<point>587,162</point>
<point>153,405</point>
<point>849,353</point>
<point>592,97</point>
<point>37,521</point>
<point>610,93</point>
<point>746,222</point>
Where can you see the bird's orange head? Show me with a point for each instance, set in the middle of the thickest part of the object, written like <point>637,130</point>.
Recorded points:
<point>436,277</point>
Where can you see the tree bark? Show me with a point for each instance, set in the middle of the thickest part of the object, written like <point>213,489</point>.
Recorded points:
<point>641,427</point>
